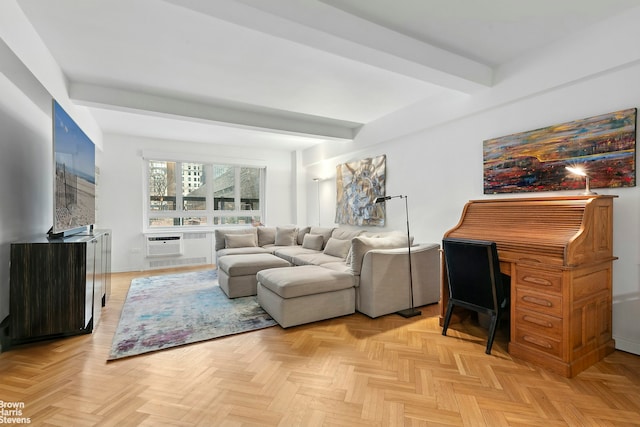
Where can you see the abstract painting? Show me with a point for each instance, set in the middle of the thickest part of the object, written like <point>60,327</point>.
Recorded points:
<point>604,146</point>
<point>358,184</point>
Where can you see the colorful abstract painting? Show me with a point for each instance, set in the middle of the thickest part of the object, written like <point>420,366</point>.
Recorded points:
<point>604,146</point>
<point>358,184</point>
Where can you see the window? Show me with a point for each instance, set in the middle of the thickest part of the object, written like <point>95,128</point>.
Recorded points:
<point>210,194</point>
<point>162,189</point>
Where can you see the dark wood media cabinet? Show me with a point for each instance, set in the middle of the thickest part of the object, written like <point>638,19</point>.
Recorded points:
<point>58,286</point>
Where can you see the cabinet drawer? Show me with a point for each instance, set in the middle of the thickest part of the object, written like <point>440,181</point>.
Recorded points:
<point>529,338</point>
<point>548,304</point>
<point>542,280</point>
<point>548,326</point>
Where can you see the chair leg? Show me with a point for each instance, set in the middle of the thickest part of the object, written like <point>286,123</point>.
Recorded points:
<point>447,318</point>
<point>492,331</point>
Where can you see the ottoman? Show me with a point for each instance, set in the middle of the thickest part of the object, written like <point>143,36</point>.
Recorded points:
<point>237,273</point>
<point>308,293</point>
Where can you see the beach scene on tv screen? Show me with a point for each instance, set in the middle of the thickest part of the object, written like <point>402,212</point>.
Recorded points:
<point>75,186</point>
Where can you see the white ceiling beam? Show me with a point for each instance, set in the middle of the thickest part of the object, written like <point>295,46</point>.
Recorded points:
<point>320,26</point>
<point>221,113</point>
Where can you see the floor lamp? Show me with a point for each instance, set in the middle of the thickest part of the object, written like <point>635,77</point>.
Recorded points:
<point>409,312</point>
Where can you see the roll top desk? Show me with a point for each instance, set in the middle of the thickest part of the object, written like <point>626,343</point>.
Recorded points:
<point>559,254</point>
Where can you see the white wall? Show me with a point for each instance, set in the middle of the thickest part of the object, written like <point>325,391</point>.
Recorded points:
<point>121,203</point>
<point>29,78</point>
<point>440,169</point>
<point>25,176</point>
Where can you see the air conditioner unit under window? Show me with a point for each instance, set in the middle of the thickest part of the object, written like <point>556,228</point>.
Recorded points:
<point>164,245</point>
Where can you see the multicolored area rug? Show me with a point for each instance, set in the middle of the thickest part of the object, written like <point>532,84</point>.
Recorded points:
<point>161,312</point>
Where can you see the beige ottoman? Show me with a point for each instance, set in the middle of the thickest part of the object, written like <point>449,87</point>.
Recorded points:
<point>308,293</point>
<point>237,273</point>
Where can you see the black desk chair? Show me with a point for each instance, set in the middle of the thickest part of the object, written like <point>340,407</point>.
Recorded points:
<point>475,281</point>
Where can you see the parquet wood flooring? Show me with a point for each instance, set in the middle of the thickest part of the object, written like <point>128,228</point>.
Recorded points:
<point>350,371</point>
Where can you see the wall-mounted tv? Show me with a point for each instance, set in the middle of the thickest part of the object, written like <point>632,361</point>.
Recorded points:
<point>74,181</point>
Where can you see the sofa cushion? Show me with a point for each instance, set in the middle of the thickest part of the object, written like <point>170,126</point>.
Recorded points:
<point>379,234</point>
<point>315,258</point>
<point>325,232</point>
<point>346,233</point>
<point>289,252</point>
<point>337,247</point>
<point>286,236</point>
<point>301,233</point>
<point>219,234</point>
<point>306,280</point>
<point>361,245</point>
<point>313,241</point>
<point>239,241</point>
<point>266,236</point>
<point>249,264</point>
<point>240,251</point>
<point>338,266</point>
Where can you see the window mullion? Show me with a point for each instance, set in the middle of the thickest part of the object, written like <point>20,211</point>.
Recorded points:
<point>209,208</point>
<point>237,190</point>
<point>179,189</point>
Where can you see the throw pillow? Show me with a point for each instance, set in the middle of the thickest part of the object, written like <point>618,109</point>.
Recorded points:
<point>239,240</point>
<point>325,232</point>
<point>219,234</point>
<point>286,236</point>
<point>313,241</point>
<point>337,247</point>
<point>266,236</point>
<point>301,233</point>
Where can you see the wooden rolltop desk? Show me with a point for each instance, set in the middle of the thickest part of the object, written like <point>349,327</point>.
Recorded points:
<point>559,254</point>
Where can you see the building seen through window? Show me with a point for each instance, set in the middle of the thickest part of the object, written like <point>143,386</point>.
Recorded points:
<point>211,194</point>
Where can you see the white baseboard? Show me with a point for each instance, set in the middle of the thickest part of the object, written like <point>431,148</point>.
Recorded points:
<point>626,345</point>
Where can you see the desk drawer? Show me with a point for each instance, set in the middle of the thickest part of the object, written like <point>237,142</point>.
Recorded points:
<point>531,339</point>
<point>548,304</point>
<point>542,280</point>
<point>548,326</point>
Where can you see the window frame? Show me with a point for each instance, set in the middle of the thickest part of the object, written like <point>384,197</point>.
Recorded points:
<point>209,212</point>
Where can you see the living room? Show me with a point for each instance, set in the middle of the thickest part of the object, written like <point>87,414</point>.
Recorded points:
<point>433,147</point>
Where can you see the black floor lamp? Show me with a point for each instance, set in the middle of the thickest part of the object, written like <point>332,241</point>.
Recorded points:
<point>409,312</point>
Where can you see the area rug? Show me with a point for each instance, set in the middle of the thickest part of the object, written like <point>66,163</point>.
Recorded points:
<point>161,312</point>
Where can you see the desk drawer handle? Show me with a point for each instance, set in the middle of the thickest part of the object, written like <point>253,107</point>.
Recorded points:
<point>537,321</point>
<point>537,280</point>
<point>537,301</point>
<point>529,260</point>
<point>537,342</point>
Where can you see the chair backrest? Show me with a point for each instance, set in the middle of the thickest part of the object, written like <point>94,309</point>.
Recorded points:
<point>473,271</point>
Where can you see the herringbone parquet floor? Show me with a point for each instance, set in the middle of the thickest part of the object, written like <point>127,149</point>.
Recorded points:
<point>348,371</point>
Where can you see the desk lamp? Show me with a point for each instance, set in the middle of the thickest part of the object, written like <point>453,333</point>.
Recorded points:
<point>409,312</point>
<point>577,170</point>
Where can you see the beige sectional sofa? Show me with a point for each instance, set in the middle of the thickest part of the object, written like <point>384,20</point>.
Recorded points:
<point>371,266</point>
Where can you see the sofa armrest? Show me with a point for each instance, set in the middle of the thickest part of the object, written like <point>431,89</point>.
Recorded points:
<point>384,279</point>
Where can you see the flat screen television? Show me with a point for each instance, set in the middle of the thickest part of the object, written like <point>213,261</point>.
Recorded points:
<point>74,183</point>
